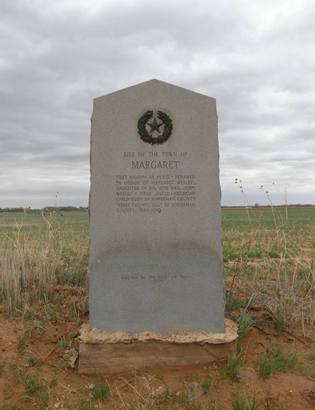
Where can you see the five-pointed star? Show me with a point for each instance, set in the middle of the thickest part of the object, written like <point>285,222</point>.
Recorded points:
<point>154,125</point>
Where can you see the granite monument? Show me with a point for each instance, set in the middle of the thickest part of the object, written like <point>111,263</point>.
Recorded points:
<point>155,213</point>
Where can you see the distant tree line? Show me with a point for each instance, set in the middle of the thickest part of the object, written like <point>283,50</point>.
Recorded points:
<point>63,208</point>
<point>45,209</point>
<point>83,208</point>
<point>12,209</point>
<point>256,205</point>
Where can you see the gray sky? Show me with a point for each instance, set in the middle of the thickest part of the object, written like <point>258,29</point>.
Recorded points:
<point>255,57</point>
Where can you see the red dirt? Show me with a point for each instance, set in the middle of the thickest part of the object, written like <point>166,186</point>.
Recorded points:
<point>63,388</point>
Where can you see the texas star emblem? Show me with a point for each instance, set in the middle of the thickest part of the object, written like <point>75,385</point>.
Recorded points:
<point>155,128</point>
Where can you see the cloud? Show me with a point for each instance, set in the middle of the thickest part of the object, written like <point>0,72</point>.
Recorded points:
<point>256,58</point>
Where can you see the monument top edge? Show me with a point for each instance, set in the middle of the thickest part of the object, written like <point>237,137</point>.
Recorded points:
<point>156,83</point>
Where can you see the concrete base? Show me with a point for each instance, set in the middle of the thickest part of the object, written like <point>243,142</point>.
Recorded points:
<point>110,353</point>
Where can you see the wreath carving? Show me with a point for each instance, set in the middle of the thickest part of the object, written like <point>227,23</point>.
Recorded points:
<point>157,131</point>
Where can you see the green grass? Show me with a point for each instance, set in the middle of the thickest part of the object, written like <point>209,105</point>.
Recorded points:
<point>232,219</point>
<point>33,361</point>
<point>276,361</point>
<point>244,323</point>
<point>43,251</point>
<point>262,217</point>
<point>39,252</point>
<point>207,384</point>
<point>32,386</point>
<point>271,265</point>
<point>311,356</point>
<point>100,392</point>
<point>21,343</point>
<point>279,323</point>
<point>11,221</point>
<point>268,265</point>
<point>233,364</point>
<point>242,403</point>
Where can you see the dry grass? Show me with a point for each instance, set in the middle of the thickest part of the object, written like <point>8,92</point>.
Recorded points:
<point>36,257</point>
<point>273,268</point>
<point>268,263</point>
<point>269,268</point>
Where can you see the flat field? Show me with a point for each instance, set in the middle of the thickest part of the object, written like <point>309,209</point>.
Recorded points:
<point>270,288</point>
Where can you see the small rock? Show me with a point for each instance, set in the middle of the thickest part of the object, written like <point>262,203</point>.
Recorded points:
<point>71,356</point>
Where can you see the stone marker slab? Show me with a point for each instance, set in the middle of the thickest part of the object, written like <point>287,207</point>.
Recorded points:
<point>110,353</point>
<point>155,214</point>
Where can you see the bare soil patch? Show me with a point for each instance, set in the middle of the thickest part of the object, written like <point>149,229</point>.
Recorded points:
<point>38,370</point>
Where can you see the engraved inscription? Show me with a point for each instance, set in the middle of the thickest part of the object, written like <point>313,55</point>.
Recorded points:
<point>155,278</point>
<point>154,193</point>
